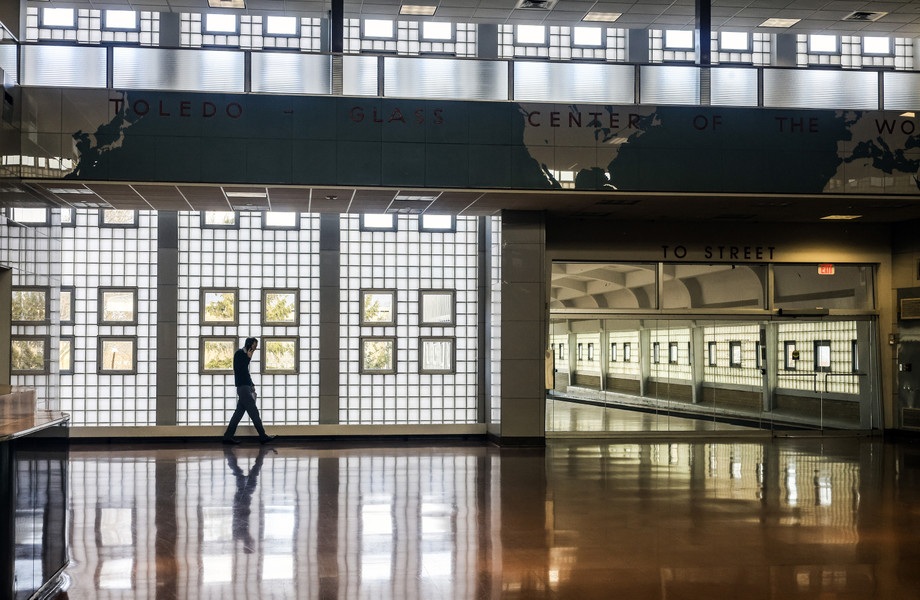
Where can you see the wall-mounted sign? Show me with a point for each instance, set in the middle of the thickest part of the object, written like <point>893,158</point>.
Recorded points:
<point>825,269</point>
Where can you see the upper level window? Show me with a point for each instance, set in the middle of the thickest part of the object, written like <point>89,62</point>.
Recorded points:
<point>437,223</point>
<point>676,39</point>
<point>219,23</point>
<point>58,17</point>
<point>219,219</point>
<point>437,32</point>
<point>734,41</point>
<point>588,37</point>
<point>823,44</point>
<point>530,35</point>
<point>876,45</point>
<point>112,217</point>
<point>281,25</point>
<point>122,20</point>
<point>823,355</point>
<point>381,29</point>
<point>31,216</point>
<point>280,220</point>
<point>378,222</point>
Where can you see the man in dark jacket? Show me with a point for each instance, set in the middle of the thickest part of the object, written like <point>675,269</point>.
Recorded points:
<point>246,390</point>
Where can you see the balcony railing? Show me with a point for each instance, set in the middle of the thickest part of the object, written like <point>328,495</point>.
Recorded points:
<point>237,71</point>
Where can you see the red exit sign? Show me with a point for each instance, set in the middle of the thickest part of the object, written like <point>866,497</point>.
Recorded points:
<point>825,269</point>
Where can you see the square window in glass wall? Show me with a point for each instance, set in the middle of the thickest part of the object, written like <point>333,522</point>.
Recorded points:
<point>67,305</point>
<point>613,352</point>
<point>854,356</point>
<point>580,351</point>
<point>378,307</point>
<point>219,306</point>
<point>790,356</point>
<point>220,219</point>
<point>823,356</point>
<point>118,306</point>
<point>614,286</point>
<point>590,351</point>
<point>117,355</point>
<point>627,352</point>
<point>30,305</point>
<point>672,353</point>
<point>378,222</point>
<point>656,352</point>
<point>216,354</point>
<point>378,355</point>
<point>734,354</point>
<point>280,307</point>
<point>437,355</point>
<point>443,223</point>
<point>31,216</point>
<point>850,287</point>
<point>437,307</point>
<point>714,286</point>
<point>280,220</point>
<point>65,354</point>
<point>279,355</point>
<point>713,359</point>
<point>29,354</point>
<point>68,217</point>
<point>118,218</point>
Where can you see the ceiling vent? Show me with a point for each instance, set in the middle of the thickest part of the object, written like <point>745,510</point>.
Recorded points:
<point>535,4</point>
<point>864,16</point>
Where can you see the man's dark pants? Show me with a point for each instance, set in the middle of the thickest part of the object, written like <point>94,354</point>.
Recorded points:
<point>245,404</point>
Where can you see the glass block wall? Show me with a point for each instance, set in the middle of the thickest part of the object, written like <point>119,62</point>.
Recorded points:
<point>408,40</point>
<point>621,365</point>
<point>251,34</point>
<point>560,45</point>
<point>588,353</point>
<point>495,320</point>
<point>851,54</point>
<point>723,372</point>
<point>840,334</point>
<point>89,29</point>
<point>663,368</point>
<point>249,259</point>
<point>406,261</point>
<point>560,344</point>
<point>759,54</point>
<point>31,252</point>
<point>94,257</point>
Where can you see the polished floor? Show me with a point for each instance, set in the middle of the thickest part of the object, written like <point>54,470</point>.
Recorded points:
<point>770,519</point>
<point>568,417</point>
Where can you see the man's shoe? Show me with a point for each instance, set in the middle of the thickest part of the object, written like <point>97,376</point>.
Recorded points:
<point>267,439</point>
<point>230,440</point>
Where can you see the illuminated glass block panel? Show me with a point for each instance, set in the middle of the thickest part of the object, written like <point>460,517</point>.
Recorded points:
<point>30,305</point>
<point>279,307</point>
<point>117,306</point>
<point>28,355</point>
<point>117,355</point>
<point>279,355</point>
<point>437,307</point>
<point>378,307</point>
<point>119,218</point>
<point>219,306</point>
<point>378,355</point>
<point>437,355</point>
<point>216,354</point>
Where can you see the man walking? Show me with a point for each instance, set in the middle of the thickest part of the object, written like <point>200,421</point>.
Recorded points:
<point>246,390</point>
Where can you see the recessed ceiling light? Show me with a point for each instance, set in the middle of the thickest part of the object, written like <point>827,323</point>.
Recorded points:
<point>779,22</point>
<point>417,9</point>
<point>607,17</point>
<point>227,3</point>
<point>841,217</point>
<point>246,195</point>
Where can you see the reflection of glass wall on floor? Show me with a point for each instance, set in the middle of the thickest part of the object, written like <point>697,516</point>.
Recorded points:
<point>740,363</point>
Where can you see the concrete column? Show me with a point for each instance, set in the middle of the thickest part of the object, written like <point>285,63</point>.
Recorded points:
<point>170,28</point>
<point>703,33</point>
<point>645,368</point>
<point>697,358</point>
<point>6,327</point>
<point>771,364</point>
<point>329,318</point>
<point>487,40</point>
<point>784,50</point>
<point>167,316</point>
<point>337,26</point>
<point>523,332</point>
<point>637,46</point>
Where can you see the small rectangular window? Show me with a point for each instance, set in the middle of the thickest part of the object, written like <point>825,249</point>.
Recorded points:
<point>379,29</point>
<point>823,44</point>
<point>627,352</point>
<point>281,26</point>
<point>734,355</point>
<point>219,306</point>
<point>656,353</point>
<point>31,216</point>
<point>59,17</point>
<point>677,39</point>
<point>876,46</point>
<point>67,305</point>
<point>588,37</point>
<point>561,354</point>
<point>216,354</point>
<point>530,35</point>
<point>437,355</point>
<point>378,222</point>
<point>29,354</point>
<point>121,20</point>
<point>378,307</point>
<point>68,217</point>
<point>117,355</point>
<point>118,218</point>
<point>854,356</point>
<point>65,354</point>
<point>790,356</point>
<point>279,355</point>
<point>29,305</point>
<point>711,349</point>
<point>437,31</point>
<point>823,356</point>
<point>672,353</point>
<point>613,352</point>
<point>378,355</point>
<point>437,223</point>
<point>758,355</point>
<point>220,219</point>
<point>734,41</point>
<point>280,220</point>
<point>590,351</point>
<point>280,307</point>
<point>437,307</point>
<point>118,306</point>
<point>580,351</point>
<point>220,23</point>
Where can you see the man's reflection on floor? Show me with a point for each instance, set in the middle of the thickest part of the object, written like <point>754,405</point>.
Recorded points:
<point>242,500</point>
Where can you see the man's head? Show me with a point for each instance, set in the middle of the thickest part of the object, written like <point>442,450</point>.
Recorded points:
<point>250,345</point>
